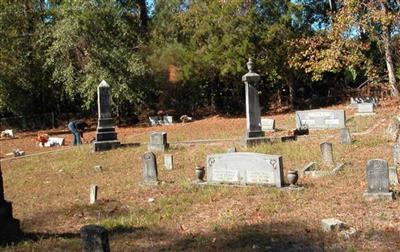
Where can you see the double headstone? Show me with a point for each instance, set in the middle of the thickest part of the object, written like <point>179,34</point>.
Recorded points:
<point>106,137</point>
<point>158,141</point>
<point>245,168</point>
<point>253,109</point>
<point>320,119</point>
<point>9,227</point>
<point>94,239</point>
<point>378,180</point>
<point>150,172</point>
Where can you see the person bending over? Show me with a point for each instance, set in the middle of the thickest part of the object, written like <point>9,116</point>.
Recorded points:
<point>77,128</point>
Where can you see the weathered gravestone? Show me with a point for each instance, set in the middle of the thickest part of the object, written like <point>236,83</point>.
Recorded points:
<point>150,173</point>
<point>168,161</point>
<point>396,154</point>
<point>267,124</point>
<point>327,154</point>
<point>245,168</point>
<point>158,141</point>
<point>9,227</point>
<point>253,109</point>
<point>106,137</point>
<point>321,119</point>
<point>378,180</point>
<point>393,178</point>
<point>94,239</point>
<point>365,109</point>
<point>345,137</point>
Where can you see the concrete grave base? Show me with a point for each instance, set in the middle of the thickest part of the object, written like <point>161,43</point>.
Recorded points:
<point>378,196</point>
<point>105,145</point>
<point>252,141</point>
<point>365,114</point>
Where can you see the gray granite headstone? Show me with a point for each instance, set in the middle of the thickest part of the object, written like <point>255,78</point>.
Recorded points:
<point>393,178</point>
<point>327,154</point>
<point>267,124</point>
<point>320,119</point>
<point>158,141</point>
<point>168,161</point>
<point>245,168</point>
<point>94,239</point>
<point>345,137</point>
<point>150,173</point>
<point>9,227</point>
<point>365,109</point>
<point>253,109</point>
<point>396,154</point>
<point>106,137</point>
<point>378,180</point>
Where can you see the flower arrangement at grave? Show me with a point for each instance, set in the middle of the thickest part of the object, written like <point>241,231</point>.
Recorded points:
<point>42,138</point>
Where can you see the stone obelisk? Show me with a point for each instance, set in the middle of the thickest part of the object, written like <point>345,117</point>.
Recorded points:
<point>253,109</point>
<point>106,137</point>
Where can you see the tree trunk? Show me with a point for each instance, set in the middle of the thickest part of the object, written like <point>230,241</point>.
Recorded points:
<point>143,14</point>
<point>389,58</point>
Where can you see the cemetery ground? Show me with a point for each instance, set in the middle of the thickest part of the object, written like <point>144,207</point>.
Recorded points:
<point>50,192</point>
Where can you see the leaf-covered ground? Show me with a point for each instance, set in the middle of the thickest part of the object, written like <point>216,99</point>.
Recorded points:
<point>50,193</point>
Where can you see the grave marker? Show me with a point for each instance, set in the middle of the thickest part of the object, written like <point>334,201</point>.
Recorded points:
<point>378,180</point>
<point>267,124</point>
<point>168,161</point>
<point>106,137</point>
<point>245,168</point>
<point>345,137</point>
<point>94,239</point>
<point>321,119</point>
<point>93,194</point>
<point>327,154</point>
<point>365,109</point>
<point>158,141</point>
<point>150,173</point>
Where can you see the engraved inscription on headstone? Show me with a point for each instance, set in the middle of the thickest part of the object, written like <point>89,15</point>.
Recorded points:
<point>320,119</point>
<point>245,168</point>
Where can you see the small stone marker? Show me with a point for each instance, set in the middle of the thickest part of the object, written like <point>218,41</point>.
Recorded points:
<point>332,224</point>
<point>396,154</point>
<point>168,161</point>
<point>93,194</point>
<point>158,141</point>
<point>345,137</point>
<point>98,168</point>
<point>245,168</point>
<point>320,119</point>
<point>327,154</point>
<point>393,178</point>
<point>150,173</point>
<point>94,239</point>
<point>365,109</point>
<point>231,150</point>
<point>267,124</point>
<point>378,180</point>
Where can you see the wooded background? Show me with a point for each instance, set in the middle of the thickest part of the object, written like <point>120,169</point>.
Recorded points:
<point>188,56</point>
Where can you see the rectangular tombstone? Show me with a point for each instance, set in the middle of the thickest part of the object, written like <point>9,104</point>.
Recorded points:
<point>378,180</point>
<point>245,168</point>
<point>327,154</point>
<point>150,172</point>
<point>168,120</point>
<point>365,109</point>
<point>168,161</point>
<point>158,141</point>
<point>267,124</point>
<point>93,194</point>
<point>321,119</point>
<point>345,137</point>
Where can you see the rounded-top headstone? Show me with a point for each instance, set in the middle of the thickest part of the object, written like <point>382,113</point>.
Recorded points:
<point>94,239</point>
